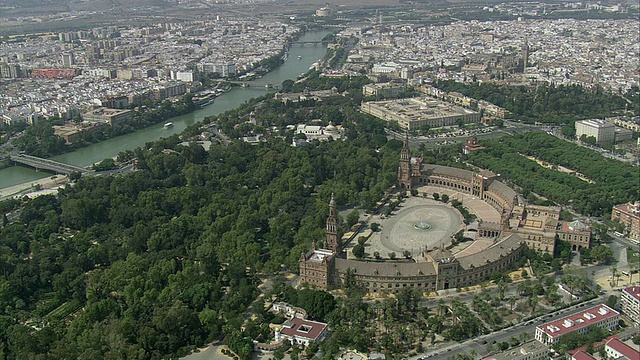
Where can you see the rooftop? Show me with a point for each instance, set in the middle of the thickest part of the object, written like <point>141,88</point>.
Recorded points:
<point>319,255</point>
<point>630,208</point>
<point>303,328</point>
<point>577,321</point>
<point>522,352</point>
<point>624,349</point>
<point>634,291</point>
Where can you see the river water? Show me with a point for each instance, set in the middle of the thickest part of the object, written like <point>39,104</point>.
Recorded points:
<point>293,67</point>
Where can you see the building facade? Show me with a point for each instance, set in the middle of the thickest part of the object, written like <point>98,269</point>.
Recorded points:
<point>601,130</point>
<point>107,116</point>
<point>616,349</point>
<point>630,303</point>
<point>600,315</point>
<point>414,113</point>
<point>575,233</point>
<point>629,216</point>
<point>521,226</point>
<point>385,90</point>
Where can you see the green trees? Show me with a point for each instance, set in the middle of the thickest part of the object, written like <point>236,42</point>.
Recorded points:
<point>163,258</point>
<point>358,251</point>
<point>556,104</point>
<point>352,218</point>
<point>610,181</point>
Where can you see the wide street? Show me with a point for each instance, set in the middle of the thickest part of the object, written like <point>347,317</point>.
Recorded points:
<point>479,345</point>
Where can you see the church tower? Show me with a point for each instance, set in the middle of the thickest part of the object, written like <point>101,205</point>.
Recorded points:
<point>404,170</point>
<point>332,242</point>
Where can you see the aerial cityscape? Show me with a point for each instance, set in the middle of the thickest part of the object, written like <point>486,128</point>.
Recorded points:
<point>302,179</point>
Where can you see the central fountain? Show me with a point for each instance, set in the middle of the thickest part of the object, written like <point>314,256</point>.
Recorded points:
<point>422,225</point>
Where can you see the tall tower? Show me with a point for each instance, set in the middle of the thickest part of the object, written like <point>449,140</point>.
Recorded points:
<point>332,242</point>
<point>404,170</point>
<point>525,55</point>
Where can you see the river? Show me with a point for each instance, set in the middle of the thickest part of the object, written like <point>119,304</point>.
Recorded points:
<point>299,61</point>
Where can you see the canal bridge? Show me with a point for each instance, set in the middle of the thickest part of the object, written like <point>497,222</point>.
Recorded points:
<point>46,164</point>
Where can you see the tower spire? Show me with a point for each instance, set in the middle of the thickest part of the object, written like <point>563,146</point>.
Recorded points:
<point>404,170</point>
<point>331,230</point>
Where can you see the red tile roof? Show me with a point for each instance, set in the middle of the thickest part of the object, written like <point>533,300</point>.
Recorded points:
<point>304,328</point>
<point>581,355</point>
<point>624,349</point>
<point>577,321</point>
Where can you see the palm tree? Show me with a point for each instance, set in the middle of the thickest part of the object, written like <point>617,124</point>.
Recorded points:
<point>442,307</point>
<point>512,302</point>
<point>533,302</point>
<point>502,287</point>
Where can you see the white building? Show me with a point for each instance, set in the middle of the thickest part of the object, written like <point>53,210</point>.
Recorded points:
<point>600,315</point>
<point>601,130</point>
<point>185,76</point>
<point>321,133</point>
<point>630,303</point>
<point>301,332</point>
<point>616,349</point>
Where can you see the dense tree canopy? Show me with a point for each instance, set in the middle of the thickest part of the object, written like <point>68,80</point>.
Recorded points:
<point>611,181</point>
<point>152,263</point>
<point>555,104</point>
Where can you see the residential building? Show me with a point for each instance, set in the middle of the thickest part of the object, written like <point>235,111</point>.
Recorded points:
<point>185,76</point>
<point>629,216</point>
<point>602,131</point>
<point>630,303</point>
<point>68,60</point>
<point>600,315</point>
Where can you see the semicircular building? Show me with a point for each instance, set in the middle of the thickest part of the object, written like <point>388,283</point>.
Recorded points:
<point>520,226</point>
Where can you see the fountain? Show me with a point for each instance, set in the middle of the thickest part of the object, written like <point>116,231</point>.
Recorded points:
<point>422,225</point>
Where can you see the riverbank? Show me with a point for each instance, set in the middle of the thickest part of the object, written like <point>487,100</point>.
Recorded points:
<point>230,100</point>
<point>48,185</point>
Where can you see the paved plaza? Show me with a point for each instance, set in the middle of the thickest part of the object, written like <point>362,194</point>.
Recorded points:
<point>421,222</point>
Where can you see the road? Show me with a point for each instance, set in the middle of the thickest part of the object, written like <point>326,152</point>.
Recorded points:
<point>479,345</point>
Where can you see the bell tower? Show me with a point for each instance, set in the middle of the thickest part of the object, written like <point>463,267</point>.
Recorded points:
<point>332,242</point>
<point>404,170</point>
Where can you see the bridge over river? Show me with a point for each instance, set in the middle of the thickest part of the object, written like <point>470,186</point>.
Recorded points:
<point>46,164</point>
<point>255,83</point>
